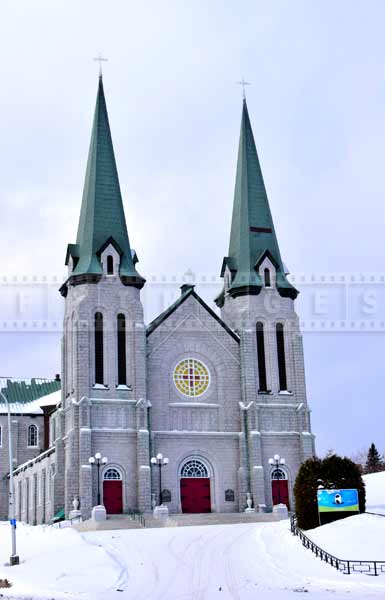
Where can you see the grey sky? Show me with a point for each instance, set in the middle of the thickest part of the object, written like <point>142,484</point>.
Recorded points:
<point>317,110</point>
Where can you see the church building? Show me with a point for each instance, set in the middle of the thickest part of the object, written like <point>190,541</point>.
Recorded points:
<point>217,392</point>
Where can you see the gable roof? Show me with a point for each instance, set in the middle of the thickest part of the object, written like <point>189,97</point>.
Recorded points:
<point>187,291</point>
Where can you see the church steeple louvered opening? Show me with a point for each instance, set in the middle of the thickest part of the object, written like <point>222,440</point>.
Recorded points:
<point>281,357</point>
<point>122,369</point>
<point>261,358</point>
<point>99,349</point>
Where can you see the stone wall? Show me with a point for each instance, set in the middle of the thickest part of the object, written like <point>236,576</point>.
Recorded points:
<point>21,451</point>
<point>34,484</point>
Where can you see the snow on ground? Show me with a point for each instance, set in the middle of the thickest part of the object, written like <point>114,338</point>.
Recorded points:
<point>361,537</point>
<point>51,561</point>
<point>375,492</point>
<point>237,562</point>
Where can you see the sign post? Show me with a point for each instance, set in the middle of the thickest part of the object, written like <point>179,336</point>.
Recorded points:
<point>336,504</point>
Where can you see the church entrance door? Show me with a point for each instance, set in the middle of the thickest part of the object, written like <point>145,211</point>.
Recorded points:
<point>195,494</point>
<point>280,491</point>
<point>113,492</point>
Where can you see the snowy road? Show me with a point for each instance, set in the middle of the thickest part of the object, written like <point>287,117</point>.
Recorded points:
<point>226,562</point>
<point>237,562</point>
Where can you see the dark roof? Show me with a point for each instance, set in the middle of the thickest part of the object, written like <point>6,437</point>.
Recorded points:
<point>26,390</point>
<point>252,228</point>
<point>187,291</point>
<point>102,214</point>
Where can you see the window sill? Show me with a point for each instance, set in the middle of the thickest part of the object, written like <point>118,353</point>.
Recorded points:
<point>285,393</point>
<point>100,386</point>
<point>124,387</point>
<point>264,392</point>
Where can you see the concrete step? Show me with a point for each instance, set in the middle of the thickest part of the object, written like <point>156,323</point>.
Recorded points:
<point>112,522</point>
<point>175,520</point>
<point>186,520</point>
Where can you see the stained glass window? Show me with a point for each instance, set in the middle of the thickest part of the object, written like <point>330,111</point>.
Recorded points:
<point>191,377</point>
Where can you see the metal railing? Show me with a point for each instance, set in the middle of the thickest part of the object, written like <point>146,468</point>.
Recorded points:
<point>136,515</point>
<point>63,522</point>
<point>368,567</point>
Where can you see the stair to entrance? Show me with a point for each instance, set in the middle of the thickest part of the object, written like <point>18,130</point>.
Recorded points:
<point>186,520</point>
<point>175,520</point>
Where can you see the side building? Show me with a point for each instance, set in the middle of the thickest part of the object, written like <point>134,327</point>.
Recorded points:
<point>33,404</point>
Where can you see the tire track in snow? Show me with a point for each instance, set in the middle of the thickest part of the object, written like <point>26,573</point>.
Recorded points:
<point>111,550</point>
<point>232,582</point>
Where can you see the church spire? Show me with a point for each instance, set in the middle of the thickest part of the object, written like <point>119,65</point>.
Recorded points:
<point>252,236</point>
<point>102,219</point>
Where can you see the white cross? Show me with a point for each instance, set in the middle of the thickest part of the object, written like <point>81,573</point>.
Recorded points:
<point>100,59</point>
<point>243,83</point>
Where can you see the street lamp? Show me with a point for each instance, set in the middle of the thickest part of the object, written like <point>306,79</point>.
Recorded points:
<point>14,558</point>
<point>98,461</point>
<point>161,461</point>
<point>276,462</point>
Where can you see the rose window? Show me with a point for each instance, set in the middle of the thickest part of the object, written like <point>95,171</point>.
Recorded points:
<point>191,377</point>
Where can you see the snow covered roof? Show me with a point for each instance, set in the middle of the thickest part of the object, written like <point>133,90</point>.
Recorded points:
<point>28,396</point>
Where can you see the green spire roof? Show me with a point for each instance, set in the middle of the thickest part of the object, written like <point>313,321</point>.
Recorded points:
<point>102,219</point>
<point>252,230</point>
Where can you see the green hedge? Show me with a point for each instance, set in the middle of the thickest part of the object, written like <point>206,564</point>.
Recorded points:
<point>334,472</point>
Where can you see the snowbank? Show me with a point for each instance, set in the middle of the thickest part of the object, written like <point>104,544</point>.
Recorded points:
<point>53,561</point>
<point>361,537</point>
<point>375,492</point>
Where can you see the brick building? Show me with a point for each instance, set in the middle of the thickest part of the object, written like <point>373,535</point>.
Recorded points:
<point>217,393</point>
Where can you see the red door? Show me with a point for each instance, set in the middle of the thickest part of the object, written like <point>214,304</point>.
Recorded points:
<point>112,496</point>
<point>195,494</point>
<point>280,489</point>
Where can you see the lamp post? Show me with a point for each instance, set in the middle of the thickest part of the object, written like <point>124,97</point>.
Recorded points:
<point>98,461</point>
<point>14,558</point>
<point>161,461</point>
<point>276,462</point>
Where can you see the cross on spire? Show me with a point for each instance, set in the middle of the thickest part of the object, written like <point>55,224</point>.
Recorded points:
<point>100,60</point>
<point>243,83</point>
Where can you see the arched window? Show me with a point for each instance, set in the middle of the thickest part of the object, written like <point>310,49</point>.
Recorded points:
<point>32,436</point>
<point>194,468</point>
<point>110,265</point>
<point>267,278</point>
<point>281,357</point>
<point>99,359</point>
<point>261,358</point>
<point>122,372</point>
<point>278,474</point>
<point>112,474</point>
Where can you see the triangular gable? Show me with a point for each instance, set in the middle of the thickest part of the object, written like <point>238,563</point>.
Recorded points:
<point>186,293</point>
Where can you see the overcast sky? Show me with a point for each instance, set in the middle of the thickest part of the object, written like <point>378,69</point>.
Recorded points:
<point>317,106</point>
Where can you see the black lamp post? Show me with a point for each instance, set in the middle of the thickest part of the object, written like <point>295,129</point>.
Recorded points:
<point>276,462</point>
<point>161,461</point>
<point>98,461</point>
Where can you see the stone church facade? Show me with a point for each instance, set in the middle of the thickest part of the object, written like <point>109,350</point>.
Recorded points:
<point>217,394</point>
